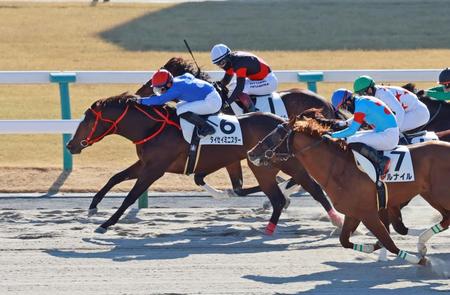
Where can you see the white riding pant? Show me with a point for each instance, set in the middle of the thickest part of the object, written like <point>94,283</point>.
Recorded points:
<point>416,117</point>
<point>381,141</point>
<point>262,87</point>
<point>211,104</point>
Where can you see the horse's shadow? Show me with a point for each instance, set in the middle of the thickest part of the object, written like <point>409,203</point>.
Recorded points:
<point>214,239</point>
<point>391,277</point>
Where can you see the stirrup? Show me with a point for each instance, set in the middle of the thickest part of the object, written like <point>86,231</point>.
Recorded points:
<point>205,131</point>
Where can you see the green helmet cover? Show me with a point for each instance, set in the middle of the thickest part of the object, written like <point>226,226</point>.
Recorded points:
<point>362,83</point>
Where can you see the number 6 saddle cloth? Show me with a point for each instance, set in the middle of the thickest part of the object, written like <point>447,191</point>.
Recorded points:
<point>227,132</point>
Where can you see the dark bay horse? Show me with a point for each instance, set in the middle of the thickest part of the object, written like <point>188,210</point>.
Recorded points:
<point>161,148</point>
<point>353,193</point>
<point>295,100</point>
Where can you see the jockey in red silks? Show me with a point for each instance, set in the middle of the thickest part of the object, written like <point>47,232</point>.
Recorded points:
<point>253,75</point>
<point>197,97</point>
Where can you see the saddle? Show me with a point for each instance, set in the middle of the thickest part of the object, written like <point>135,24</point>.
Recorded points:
<point>270,103</point>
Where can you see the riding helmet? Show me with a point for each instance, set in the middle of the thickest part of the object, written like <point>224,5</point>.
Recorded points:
<point>444,76</point>
<point>219,52</point>
<point>339,97</point>
<point>362,83</point>
<point>161,78</point>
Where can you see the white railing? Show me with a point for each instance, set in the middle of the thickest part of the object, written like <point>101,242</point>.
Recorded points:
<point>139,77</point>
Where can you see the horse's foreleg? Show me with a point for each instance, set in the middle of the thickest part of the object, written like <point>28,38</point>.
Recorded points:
<point>131,172</point>
<point>374,224</point>
<point>267,181</point>
<point>301,177</point>
<point>145,179</point>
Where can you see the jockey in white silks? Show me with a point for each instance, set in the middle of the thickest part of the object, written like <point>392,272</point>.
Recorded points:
<point>409,111</point>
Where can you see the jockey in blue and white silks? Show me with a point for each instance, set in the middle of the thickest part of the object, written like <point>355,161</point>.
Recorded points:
<point>197,97</point>
<point>370,110</point>
<point>383,135</point>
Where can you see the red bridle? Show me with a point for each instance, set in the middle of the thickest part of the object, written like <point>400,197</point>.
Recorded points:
<point>113,128</point>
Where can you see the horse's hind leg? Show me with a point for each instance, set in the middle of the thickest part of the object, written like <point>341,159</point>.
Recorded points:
<point>349,226</point>
<point>235,172</point>
<point>127,174</point>
<point>374,224</point>
<point>435,229</point>
<point>267,181</point>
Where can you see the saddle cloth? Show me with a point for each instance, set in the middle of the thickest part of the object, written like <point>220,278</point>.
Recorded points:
<point>271,103</point>
<point>228,130</point>
<point>418,137</point>
<point>400,170</point>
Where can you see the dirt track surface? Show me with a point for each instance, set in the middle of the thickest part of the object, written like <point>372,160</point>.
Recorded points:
<point>199,250</point>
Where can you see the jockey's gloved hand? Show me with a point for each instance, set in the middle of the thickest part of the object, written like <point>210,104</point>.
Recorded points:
<point>327,136</point>
<point>339,125</point>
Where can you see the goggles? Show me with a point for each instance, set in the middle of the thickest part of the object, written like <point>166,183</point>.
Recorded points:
<point>159,90</point>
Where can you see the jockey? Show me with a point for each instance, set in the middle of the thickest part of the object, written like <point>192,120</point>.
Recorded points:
<point>374,112</point>
<point>409,111</point>
<point>197,97</point>
<point>441,92</point>
<point>253,75</point>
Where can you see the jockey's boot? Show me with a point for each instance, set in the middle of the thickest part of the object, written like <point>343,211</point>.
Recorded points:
<point>380,161</point>
<point>247,102</point>
<point>204,129</point>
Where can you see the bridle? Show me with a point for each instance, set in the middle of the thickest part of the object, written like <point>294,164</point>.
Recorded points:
<point>271,153</point>
<point>164,119</point>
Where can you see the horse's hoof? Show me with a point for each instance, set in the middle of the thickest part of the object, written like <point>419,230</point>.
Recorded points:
<point>229,193</point>
<point>100,230</point>
<point>422,249</point>
<point>92,211</point>
<point>288,202</point>
<point>267,205</point>
<point>424,261</point>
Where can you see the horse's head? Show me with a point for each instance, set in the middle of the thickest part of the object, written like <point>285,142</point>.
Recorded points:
<point>264,152</point>
<point>177,66</point>
<point>100,120</point>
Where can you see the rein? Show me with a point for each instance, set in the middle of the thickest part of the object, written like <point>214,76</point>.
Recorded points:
<point>164,119</point>
<point>270,153</point>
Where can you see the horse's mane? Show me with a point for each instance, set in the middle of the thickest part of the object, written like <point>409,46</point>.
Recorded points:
<point>117,100</point>
<point>310,123</point>
<point>178,66</point>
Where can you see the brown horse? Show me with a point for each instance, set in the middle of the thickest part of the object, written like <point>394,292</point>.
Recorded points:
<point>161,148</point>
<point>353,193</point>
<point>295,100</point>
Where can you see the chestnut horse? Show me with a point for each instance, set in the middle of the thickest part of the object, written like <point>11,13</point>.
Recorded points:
<point>295,100</point>
<point>353,193</point>
<point>161,148</point>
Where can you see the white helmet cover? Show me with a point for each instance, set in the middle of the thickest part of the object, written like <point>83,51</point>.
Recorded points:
<point>218,52</point>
